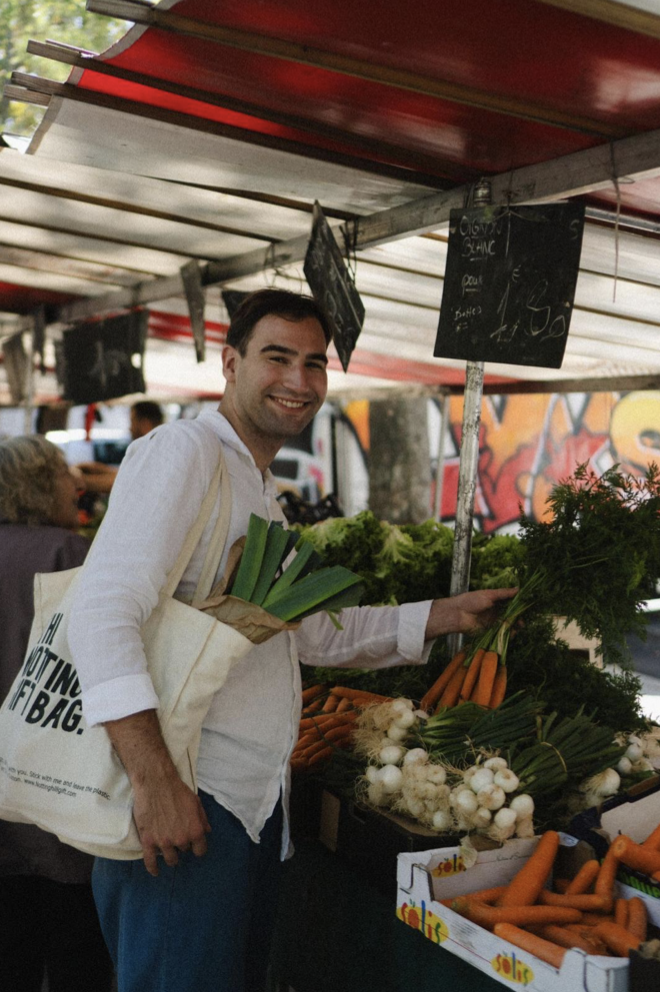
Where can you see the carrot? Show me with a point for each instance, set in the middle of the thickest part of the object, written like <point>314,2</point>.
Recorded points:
<point>484,687</point>
<point>566,937</point>
<point>621,912</point>
<point>635,856</point>
<point>487,916</point>
<point>319,756</point>
<point>327,719</point>
<point>604,884</point>
<point>617,938</point>
<point>581,901</point>
<point>343,704</point>
<point>561,884</point>
<point>540,948</point>
<point>593,919</point>
<point>525,887</point>
<point>453,688</point>
<point>313,707</point>
<point>487,895</point>
<point>472,675</point>
<point>653,839</point>
<point>331,704</point>
<point>499,688</point>
<point>584,879</point>
<point>360,696</point>
<point>308,752</point>
<point>637,918</point>
<point>432,695</point>
<point>311,693</point>
<point>338,733</point>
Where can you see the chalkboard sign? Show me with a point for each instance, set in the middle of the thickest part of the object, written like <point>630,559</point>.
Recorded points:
<point>101,360</point>
<point>510,284</point>
<point>332,287</point>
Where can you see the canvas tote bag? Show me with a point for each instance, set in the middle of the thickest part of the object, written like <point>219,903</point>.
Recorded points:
<point>65,777</point>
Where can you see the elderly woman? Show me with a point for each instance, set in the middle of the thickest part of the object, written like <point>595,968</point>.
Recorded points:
<point>48,921</point>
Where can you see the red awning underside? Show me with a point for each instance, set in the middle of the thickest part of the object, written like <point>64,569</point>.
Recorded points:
<point>523,83</point>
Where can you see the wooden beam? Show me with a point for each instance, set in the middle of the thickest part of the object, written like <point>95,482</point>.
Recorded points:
<point>401,173</point>
<point>20,94</point>
<point>260,44</point>
<point>572,175</point>
<point>620,15</point>
<point>361,143</point>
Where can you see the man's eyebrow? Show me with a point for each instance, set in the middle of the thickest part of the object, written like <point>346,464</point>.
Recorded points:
<point>314,356</point>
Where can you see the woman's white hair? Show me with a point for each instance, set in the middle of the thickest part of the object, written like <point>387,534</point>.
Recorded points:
<point>29,467</point>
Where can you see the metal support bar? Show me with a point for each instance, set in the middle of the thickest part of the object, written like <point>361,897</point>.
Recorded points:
<point>440,462</point>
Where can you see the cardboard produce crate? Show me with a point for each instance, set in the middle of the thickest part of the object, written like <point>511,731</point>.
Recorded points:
<point>424,879</point>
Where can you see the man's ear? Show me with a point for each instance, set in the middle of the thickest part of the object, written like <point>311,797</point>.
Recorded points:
<point>229,357</point>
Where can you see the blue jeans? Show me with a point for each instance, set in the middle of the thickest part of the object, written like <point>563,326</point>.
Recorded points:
<point>204,925</point>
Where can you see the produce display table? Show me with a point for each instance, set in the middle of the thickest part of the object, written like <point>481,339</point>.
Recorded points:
<point>337,931</point>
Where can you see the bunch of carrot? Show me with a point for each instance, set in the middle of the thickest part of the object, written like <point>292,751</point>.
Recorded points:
<point>327,722</point>
<point>479,677</point>
<point>582,912</point>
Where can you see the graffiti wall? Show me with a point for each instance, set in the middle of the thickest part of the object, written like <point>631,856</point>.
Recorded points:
<point>529,442</point>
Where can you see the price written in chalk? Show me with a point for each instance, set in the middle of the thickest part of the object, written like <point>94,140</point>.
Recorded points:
<point>510,284</point>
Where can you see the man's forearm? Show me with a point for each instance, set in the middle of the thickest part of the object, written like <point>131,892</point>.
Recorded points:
<point>138,741</point>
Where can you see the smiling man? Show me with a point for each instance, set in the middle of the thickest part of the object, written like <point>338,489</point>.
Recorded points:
<point>197,914</point>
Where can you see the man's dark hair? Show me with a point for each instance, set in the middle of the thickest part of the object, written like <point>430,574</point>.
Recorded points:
<point>279,303</point>
<point>148,410</point>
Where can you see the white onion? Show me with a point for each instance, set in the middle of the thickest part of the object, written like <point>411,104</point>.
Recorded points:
<point>492,797</point>
<point>371,773</point>
<point>442,820</point>
<point>496,764</point>
<point>415,807</point>
<point>482,817</point>
<point>469,772</point>
<point>481,779</point>
<point>505,818</point>
<point>436,774</point>
<point>376,795</point>
<point>625,766</point>
<point>405,719</point>
<point>523,806</point>
<point>400,706</point>
<point>421,714</point>
<point>396,733</point>
<point>466,803</point>
<point>525,827</point>
<point>391,779</point>
<point>391,755</point>
<point>634,752</point>
<point>416,756</point>
<point>507,780</point>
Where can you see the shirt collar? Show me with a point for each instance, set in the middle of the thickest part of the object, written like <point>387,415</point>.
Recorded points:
<point>224,429</point>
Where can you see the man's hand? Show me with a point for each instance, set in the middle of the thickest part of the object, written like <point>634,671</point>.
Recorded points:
<point>168,815</point>
<point>467,612</point>
<point>169,818</point>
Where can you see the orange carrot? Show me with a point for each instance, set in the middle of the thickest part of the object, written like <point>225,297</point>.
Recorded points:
<point>499,688</point>
<point>604,884</point>
<point>331,704</point>
<point>487,916</point>
<point>472,675</point>
<point>540,948</point>
<point>525,887</point>
<point>452,690</point>
<point>432,695</point>
<point>621,912</point>
<point>484,687</point>
<point>327,719</point>
<point>581,900</point>
<point>635,856</point>
<point>653,839</point>
<point>338,733</point>
<point>361,696</point>
<point>593,919</point>
<point>637,918</point>
<point>319,756</point>
<point>561,884</point>
<point>313,707</point>
<point>566,937</point>
<point>343,704</point>
<point>617,938</point>
<point>487,895</point>
<point>311,693</point>
<point>584,879</point>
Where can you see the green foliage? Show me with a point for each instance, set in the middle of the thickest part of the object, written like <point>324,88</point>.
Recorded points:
<point>544,667</point>
<point>355,543</point>
<point>598,559</point>
<point>59,20</point>
<point>496,562</point>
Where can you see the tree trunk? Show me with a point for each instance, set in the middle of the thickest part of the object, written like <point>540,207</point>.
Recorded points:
<point>399,460</point>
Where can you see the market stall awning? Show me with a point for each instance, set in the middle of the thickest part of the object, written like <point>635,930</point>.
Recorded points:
<point>211,128</point>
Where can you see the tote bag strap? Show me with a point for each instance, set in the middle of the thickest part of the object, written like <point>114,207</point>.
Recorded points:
<point>219,482</point>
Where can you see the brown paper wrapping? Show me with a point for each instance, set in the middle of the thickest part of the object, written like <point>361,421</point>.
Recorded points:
<point>254,623</point>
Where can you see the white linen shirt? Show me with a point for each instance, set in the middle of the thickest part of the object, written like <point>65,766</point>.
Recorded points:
<point>252,724</point>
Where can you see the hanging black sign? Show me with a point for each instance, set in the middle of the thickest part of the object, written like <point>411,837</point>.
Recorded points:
<point>101,360</point>
<point>332,287</point>
<point>510,284</point>
<point>232,299</point>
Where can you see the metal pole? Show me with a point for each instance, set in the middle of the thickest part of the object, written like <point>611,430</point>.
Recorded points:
<point>440,462</point>
<point>469,462</point>
<point>28,402</point>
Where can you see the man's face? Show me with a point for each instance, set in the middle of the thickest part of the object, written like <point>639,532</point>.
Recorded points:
<point>280,383</point>
<point>139,426</point>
